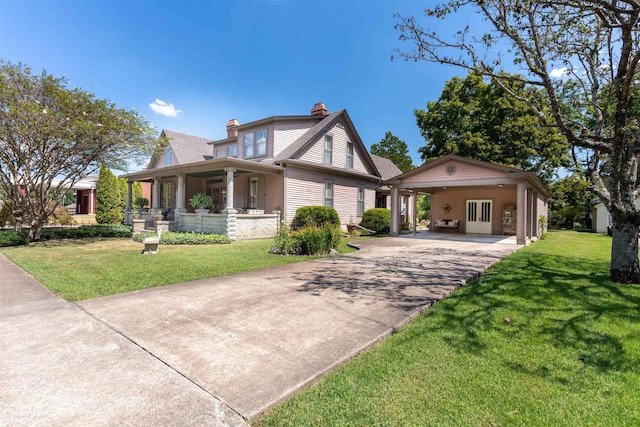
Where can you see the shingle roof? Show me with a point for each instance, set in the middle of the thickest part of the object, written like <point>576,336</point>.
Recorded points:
<point>189,148</point>
<point>386,167</point>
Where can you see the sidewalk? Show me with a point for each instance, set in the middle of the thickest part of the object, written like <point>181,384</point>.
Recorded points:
<point>60,366</point>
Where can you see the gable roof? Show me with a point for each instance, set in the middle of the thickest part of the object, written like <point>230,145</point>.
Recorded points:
<point>188,148</point>
<point>509,171</point>
<point>386,167</point>
<point>312,135</point>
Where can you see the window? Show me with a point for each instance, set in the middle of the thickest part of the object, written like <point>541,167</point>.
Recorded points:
<point>381,201</point>
<point>328,149</point>
<point>328,192</point>
<point>229,151</point>
<point>360,207</point>
<point>349,162</point>
<point>167,157</point>
<point>255,144</point>
<point>253,192</point>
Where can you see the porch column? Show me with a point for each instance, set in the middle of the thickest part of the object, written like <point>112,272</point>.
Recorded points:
<point>181,193</point>
<point>155,195</point>
<point>92,200</point>
<point>395,214</point>
<point>127,215</point>
<point>414,210</point>
<point>229,172</point>
<point>521,213</point>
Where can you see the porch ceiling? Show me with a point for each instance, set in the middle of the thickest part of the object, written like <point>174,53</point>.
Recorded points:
<point>207,168</point>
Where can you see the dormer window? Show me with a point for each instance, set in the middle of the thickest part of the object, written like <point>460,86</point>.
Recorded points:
<point>228,151</point>
<point>255,144</point>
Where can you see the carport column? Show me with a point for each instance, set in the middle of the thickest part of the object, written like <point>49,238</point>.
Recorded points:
<point>534,214</point>
<point>395,217</point>
<point>128,216</point>
<point>155,195</point>
<point>181,193</point>
<point>230,220</point>
<point>521,213</point>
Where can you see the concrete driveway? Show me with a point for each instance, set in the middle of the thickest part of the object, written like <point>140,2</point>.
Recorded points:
<point>244,341</point>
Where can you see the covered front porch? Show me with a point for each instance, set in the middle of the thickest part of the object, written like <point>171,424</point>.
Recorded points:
<point>247,198</point>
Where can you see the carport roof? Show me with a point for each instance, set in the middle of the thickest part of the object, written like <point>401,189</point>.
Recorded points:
<point>511,174</point>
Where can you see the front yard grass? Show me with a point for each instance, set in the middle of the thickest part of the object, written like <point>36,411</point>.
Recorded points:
<point>543,339</point>
<point>77,270</point>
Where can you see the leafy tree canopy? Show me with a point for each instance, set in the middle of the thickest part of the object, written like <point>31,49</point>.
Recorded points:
<point>585,56</point>
<point>51,136</point>
<point>393,148</point>
<point>482,121</point>
<point>571,199</point>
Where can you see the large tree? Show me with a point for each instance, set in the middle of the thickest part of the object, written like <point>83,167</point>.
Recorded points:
<point>482,121</point>
<point>393,148</point>
<point>584,54</point>
<point>52,135</point>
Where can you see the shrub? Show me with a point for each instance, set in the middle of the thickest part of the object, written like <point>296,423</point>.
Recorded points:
<point>6,214</point>
<point>318,216</point>
<point>61,215</point>
<point>86,232</point>
<point>310,240</point>
<point>108,209</point>
<point>285,242</point>
<point>377,219</point>
<point>13,238</point>
<point>189,238</point>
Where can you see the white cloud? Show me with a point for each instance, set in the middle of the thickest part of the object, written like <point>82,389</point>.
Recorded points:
<point>558,73</point>
<point>164,108</point>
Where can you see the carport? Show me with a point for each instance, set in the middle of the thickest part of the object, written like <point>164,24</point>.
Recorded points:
<point>483,197</point>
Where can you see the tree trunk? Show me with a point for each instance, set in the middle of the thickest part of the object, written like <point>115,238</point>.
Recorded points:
<point>35,233</point>
<point>624,253</point>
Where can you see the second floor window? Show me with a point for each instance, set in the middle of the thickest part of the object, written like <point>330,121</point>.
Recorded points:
<point>349,162</point>
<point>230,151</point>
<point>255,144</point>
<point>167,157</point>
<point>328,149</point>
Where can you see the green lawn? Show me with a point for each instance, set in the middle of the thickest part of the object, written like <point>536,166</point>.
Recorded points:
<point>77,270</point>
<point>568,355</point>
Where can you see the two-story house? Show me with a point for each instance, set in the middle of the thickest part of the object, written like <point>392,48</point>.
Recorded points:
<point>264,171</point>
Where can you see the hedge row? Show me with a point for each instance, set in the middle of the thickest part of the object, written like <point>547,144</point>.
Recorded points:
<point>13,238</point>
<point>189,238</point>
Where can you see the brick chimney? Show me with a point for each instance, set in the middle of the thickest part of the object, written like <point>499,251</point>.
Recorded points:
<point>232,128</point>
<point>319,110</point>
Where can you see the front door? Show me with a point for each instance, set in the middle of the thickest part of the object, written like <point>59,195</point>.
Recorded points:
<point>479,216</point>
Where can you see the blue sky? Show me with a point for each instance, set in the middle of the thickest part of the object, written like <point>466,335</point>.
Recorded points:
<point>201,63</point>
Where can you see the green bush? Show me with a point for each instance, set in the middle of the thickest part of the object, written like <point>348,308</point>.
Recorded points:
<point>13,238</point>
<point>61,216</point>
<point>86,232</point>
<point>6,214</point>
<point>108,209</point>
<point>377,219</point>
<point>189,238</point>
<point>286,243</point>
<point>310,240</point>
<point>318,216</point>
